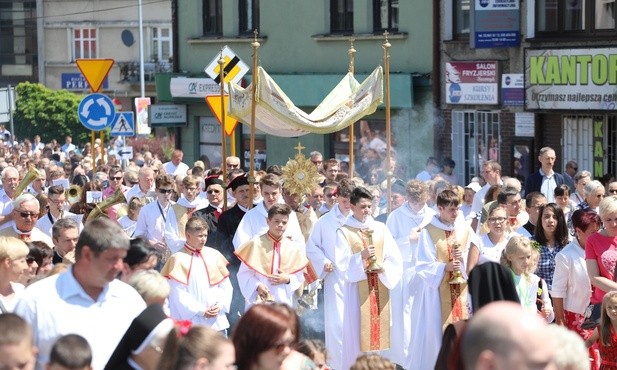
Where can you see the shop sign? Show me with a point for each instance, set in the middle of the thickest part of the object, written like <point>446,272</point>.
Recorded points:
<point>472,83</point>
<point>184,87</point>
<point>513,90</point>
<point>167,115</point>
<point>571,79</point>
<point>496,24</point>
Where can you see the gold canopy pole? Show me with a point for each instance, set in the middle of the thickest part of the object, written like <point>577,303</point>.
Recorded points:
<point>386,57</point>
<point>352,53</point>
<point>223,138</point>
<point>251,178</point>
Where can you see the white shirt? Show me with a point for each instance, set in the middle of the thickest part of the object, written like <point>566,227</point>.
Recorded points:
<point>127,225</point>
<point>66,148</point>
<point>18,290</point>
<point>6,203</point>
<point>136,191</point>
<point>570,279</point>
<point>151,221</point>
<point>58,305</point>
<point>172,169</point>
<point>490,252</point>
<point>45,224</point>
<point>548,186</point>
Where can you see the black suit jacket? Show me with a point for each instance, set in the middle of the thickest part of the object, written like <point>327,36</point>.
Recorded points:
<point>534,182</point>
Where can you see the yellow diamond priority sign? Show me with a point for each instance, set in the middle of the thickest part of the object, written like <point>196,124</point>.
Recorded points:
<point>233,67</point>
<point>95,71</point>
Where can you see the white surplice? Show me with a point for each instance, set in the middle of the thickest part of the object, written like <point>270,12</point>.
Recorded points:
<point>353,267</point>
<point>320,250</point>
<point>191,301</point>
<point>254,223</point>
<point>401,222</point>
<point>248,278</point>
<point>426,310</point>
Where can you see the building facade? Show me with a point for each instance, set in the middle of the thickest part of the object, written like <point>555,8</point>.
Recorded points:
<point>520,75</point>
<point>304,48</point>
<point>41,39</point>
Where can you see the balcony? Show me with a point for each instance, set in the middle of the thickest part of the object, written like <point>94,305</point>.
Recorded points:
<point>129,71</point>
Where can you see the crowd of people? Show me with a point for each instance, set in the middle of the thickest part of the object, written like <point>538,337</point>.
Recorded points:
<point>164,265</point>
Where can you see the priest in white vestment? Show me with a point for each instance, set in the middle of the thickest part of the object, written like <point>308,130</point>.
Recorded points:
<point>320,251</point>
<point>200,288</point>
<point>442,253</point>
<point>405,224</point>
<point>367,324</point>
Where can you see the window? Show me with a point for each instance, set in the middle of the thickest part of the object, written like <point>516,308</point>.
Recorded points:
<point>84,43</point>
<point>249,16</point>
<point>341,16</point>
<point>161,44</point>
<point>213,17</point>
<point>476,139</point>
<point>461,18</point>
<point>385,15</point>
<point>18,39</point>
<point>582,17</point>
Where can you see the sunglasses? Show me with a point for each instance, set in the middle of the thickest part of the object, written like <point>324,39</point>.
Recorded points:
<point>116,178</point>
<point>280,346</point>
<point>165,191</point>
<point>612,191</point>
<point>28,214</point>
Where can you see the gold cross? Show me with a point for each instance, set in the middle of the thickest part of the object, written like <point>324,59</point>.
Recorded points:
<point>299,148</point>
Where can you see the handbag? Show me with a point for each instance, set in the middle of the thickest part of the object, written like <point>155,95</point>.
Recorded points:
<point>592,316</point>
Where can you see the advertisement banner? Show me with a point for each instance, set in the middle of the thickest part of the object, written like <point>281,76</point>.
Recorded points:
<point>472,83</point>
<point>571,79</point>
<point>141,112</point>
<point>496,24</point>
<point>513,89</point>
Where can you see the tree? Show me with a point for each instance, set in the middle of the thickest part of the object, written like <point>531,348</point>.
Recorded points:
<point>52,114</point>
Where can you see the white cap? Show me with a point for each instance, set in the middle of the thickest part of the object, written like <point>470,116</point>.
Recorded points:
<point>473,186</point>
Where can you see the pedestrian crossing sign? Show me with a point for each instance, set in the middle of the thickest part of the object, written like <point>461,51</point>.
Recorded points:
<point>123,125</point>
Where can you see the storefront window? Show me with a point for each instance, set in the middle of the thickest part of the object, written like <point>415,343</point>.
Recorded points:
<point>210,140</point>
<point>476,139</point>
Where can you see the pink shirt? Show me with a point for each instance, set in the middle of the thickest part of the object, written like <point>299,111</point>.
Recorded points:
<point>602,249</point>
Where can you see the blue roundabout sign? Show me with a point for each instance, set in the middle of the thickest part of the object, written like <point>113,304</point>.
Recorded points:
<point>96,112</point>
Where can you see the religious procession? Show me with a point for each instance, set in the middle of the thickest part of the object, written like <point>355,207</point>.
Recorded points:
<point>314,263</point>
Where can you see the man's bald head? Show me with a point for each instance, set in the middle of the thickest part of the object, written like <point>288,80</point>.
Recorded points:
<point>502,335</point>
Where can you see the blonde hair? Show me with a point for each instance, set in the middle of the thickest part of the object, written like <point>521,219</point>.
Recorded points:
<point>150,284</point>
<point>516,244</point>
<point>372,361</point>
<point>605,322</point>
<point>12,248</point>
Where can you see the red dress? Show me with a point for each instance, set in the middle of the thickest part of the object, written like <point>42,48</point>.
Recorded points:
<point>609,353</point>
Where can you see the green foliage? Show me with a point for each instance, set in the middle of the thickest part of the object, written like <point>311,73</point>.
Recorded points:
<point>52,114</point>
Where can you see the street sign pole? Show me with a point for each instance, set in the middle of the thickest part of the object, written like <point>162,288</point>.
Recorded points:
<point>11,102</point>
